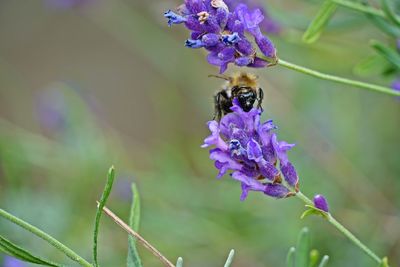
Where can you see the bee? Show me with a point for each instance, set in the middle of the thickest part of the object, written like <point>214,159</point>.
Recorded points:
<point>244,87</point>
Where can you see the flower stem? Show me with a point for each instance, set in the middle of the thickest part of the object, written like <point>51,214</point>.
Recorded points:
<point>46,237</point>
<point>324,76</point>
<point>343,230</point>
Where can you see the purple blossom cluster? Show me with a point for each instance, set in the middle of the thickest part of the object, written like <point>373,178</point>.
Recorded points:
<point>251,151</point>
<point>223,32</point>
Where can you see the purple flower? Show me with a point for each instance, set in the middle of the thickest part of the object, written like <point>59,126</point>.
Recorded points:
<point>222,32</point>
<point>51,110</point>
<point>250,150</point>
<point>396,85</point>
<point>174,18</point>
<point>13,262</point>
<point>321,203</point>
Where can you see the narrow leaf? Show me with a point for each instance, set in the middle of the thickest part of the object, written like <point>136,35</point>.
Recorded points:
<point>102,203</point>
<point>302,248</point>
<point>324,261</point>
<point>372,65</point>
<point>384,262</point>
<point>133,259</point>
<point>389,53</point>
<point>389,11</point>
<point>290,257</point>
<point>314,258</point>
<point>17,252</point>
<point>179,262</point>
<point>385,26</point>
<point>318,24</point>
<point>230,258</point>
<point>313,211</point>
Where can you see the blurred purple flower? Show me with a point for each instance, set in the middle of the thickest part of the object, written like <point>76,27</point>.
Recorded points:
<point>13,262</point>
<point>321,203</point>
<point>251,151</point>
<point>222,32</point>
<point>396,85</point>
<point>123,187</point>
<point>51,110</point>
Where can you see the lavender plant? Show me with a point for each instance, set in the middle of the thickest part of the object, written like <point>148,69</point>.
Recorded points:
<point>242,145</point>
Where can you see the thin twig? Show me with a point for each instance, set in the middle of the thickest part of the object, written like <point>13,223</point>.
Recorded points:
<point>138,237</point>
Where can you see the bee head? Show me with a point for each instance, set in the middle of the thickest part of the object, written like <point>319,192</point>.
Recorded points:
<point>246,100</point>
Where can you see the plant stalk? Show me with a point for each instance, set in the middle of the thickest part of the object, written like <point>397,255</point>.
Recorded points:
<point>343,230</point>
<point>329,77</point>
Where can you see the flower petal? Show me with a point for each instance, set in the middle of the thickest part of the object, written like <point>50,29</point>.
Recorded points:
<point>276,190</point>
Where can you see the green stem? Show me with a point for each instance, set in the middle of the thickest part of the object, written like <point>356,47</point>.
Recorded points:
<point>54,242</point>
<point>343,230</point>
<point>324,76</point>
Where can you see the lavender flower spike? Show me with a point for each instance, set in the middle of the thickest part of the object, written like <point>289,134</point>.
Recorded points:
<point>224,33</point>
<point>249,150</point>
<point>321,203</point>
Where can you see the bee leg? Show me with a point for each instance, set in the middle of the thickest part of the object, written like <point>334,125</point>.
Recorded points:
<point>217,107</point>
<point>260,98</point>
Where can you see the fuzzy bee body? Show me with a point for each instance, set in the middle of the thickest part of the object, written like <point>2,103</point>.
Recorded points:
<point>242,86</point>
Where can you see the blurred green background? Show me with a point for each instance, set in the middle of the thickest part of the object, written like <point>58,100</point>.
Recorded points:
<point>103,83</point>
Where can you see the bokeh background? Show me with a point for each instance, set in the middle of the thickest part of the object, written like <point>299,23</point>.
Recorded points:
<point>89,84</point>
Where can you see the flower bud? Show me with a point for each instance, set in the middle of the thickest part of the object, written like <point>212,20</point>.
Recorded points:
<point>321,203</point>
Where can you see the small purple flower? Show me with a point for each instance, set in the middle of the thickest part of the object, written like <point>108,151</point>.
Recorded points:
<point>13,262</point>
<point>396,85</point>
<point>174,18</point>
<point>251,151</point>
<point>51,110</point>
<point>222,32</point>
<point>321,203</point>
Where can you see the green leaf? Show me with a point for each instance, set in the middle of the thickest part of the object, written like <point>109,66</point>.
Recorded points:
<point>133,259</point>
<point>17,252</point>
<point>389,11</point>
<point>372,65</point>
<point>313,211</point>
<point>302,248</point>
<point>314,258</point>
<point>290,257</point>
<point>179,262</point>
<point>384,262</point>
<point>318,24</point>
<point>102,203</point>
<point>324,261</point>
<point>385,26</point>
<point>230,258</point>
<point>389,53</point>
